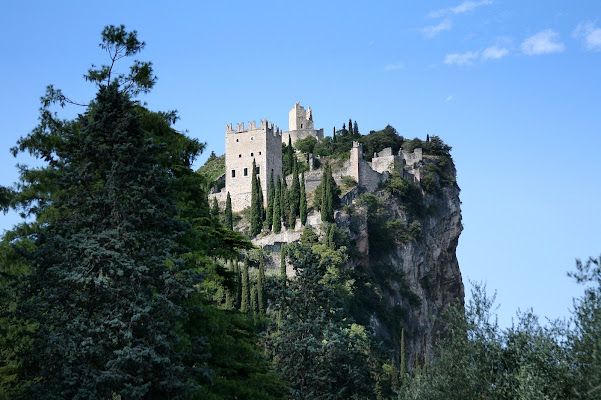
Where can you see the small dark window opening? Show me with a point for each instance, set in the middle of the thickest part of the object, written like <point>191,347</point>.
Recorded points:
<point>258,170</point>
<point>239,155</point>
<point>301,126</point>
<point>237,140</point>
<point>233,173</point>
<point>245,171</point>
<point>252,138</point>
<point>252,154</point>
<point>259,153</point>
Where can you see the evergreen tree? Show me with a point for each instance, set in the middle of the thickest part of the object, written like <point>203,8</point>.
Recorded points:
<point>356,129</point>
<point>294,197</point>
<point>285,203</point>
<point>277,208</point>
<point>229,221</point>
<point>255,212</point>
<point>270,199</point>
<point>253,300</point>
<point>245,302</point>
<point>289,157</point>
<point>334,136</point>
<point>303,201</point>
<point>238,275</point>
<point>215,209</point>
<point>350,127</point>
<point>229,296</point>
<point>394,375</point>
<point>260,282</point>
<point>283,263</point>
<point>106,288</point>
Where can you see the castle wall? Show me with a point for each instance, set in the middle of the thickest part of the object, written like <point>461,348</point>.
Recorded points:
<point>299,118</point>
<point>263,144</point>
<point>301,134</point>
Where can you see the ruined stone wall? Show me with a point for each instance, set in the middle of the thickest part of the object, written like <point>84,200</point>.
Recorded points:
<point>301,134</point>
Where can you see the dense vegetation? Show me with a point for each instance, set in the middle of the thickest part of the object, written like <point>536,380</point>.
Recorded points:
<point>124,282</point>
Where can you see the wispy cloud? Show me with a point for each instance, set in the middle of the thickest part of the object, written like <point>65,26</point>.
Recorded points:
<point>464,7</point>
<point>431,31</point>
<point>462,59</point>
<point>494,53</point>
<point>449,98</point>
<point>393,67</point>
<point>590,34</point>
<point>371,43</point>
<point>544,42</point>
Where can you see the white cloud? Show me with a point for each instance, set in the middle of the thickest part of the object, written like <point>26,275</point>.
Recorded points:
<point>544,42</point>
<point>462,59</point>
<point>449,98</point>
<point>392,67</point>
<point>591,35</point>
<point>431,31</point>
<point>371,43</point>
<point>464,7</point>
<point>494,53</point>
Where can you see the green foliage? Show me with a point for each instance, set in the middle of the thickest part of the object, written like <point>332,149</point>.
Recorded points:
<point>256,207</point>
<point>215,209</point>
<point>245,301</point>
<point>285,202</point>
<point>212,169</point>
<point>260,282</point>
<point>327,195</point>
<point>309,237</point>
<point>295,194</point>
<point>408,192</point>
<point>306,145</point>
<point>349,181</point>
<point>315,349</point>
<point>377,141</point>
<point>287,157</point>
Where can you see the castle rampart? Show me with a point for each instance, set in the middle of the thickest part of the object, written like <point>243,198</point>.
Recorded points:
<point>300,125</point>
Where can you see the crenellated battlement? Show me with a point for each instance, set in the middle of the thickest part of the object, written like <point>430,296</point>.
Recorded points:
<point>264,125</point>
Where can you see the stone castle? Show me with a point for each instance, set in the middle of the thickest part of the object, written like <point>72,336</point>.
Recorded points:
<point>263,144</point>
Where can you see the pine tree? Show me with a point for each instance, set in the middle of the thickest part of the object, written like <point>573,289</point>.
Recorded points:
<point>285,203</point>
<point>294,197</point>
<point>215,209</point>
<point>260,281</point>
<point>245,302</point>
<point>270,199</point>
<point>277,208</point>
<point>255,213</point>
<point>229,221</point>
<point>303,201</point>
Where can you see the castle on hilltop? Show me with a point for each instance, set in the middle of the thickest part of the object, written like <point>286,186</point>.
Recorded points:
<point>263,145</point>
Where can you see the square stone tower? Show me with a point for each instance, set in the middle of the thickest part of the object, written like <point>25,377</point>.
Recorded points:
<point>300,125</point>
<point>264,145</point>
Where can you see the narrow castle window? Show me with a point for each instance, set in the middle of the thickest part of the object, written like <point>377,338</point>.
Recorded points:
<point>237,140</point>
<point>252,154</point>
<point>245,171</point>
<point>239,155</point>
<point>252,138</point>
<point>258,170</point>
<point>233,173</point>
<point>301,126</point>
<point>259,153</point>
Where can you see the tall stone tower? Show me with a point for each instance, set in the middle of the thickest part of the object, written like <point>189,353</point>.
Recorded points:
<point>262,144</point>
<point>300,125</point>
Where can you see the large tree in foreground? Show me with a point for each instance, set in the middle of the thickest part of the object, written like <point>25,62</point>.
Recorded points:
<point>107,278</point>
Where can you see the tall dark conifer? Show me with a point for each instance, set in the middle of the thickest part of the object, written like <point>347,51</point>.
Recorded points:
<point>350,127</point>
<point>289,157</point>
<point>270,198</point>
<point>303,201</point>
<point>285,203</point>
<point>255,212</point>
<point>356,129</point>
<point>277,207</point>
<point>245,301</point>
<point>215,209</point>
<point>294,197</point>
<point>260,201</point>
<point>229,221</point>
<point>260,282</point>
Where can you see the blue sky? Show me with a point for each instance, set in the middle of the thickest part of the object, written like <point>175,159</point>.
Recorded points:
<point>514,87</point>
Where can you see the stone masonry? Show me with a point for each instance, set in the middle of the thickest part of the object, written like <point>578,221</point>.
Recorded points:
<point>300,125</point>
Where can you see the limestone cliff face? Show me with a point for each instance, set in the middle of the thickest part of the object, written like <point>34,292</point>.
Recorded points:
<point>416,279</point>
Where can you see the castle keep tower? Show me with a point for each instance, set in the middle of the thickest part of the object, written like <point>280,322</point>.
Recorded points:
<point>264,145</point>
<point>300,125</point>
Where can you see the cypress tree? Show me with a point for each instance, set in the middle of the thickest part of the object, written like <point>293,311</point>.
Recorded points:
<point>303,201</point>
<point>294,197</point>
<point>245,303</point>
<point>215,209</point>
<point>277,208</point>
<point>350,127</point>
<point>334,136</point>
<point>229,221</point>
<point>260,201</point>
<point>253,300</point>
<point>270,199</point>
<point>255,208</point>
<point>229,296</point>
<point>238,274</point>
<point>260,281</point>
<point>285,203</point>
<point>289,157</point>
<point>328,214</point>
<point>356,129</point>
<point>403,371</point>
<point>322,188</point>
<point>394,375</point>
